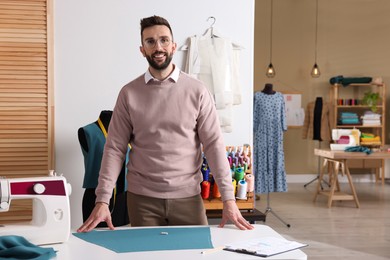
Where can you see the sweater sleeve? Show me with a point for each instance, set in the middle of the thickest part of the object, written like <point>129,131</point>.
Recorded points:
<point>115,149</point>
<point>213,146</point>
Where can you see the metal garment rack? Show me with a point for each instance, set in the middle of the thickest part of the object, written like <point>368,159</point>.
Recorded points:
<point>318,172</point>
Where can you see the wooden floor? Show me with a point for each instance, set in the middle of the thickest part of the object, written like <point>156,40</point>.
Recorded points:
<point>340,232</point>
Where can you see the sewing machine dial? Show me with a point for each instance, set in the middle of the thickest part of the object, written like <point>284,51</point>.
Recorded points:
<point>39,188</point>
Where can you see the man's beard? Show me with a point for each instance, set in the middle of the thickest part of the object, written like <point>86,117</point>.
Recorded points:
<point>157,66</point>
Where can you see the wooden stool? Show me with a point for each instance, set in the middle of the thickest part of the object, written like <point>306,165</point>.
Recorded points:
<point>334,193</point>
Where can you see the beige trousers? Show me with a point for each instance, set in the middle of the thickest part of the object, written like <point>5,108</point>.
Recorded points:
<point>148,211</point>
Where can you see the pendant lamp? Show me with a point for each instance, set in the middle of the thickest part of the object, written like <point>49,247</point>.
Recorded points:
<point>270,70</point>
<point>315,71</point>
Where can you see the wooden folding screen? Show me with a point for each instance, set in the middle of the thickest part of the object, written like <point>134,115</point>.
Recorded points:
<point>26,88</point>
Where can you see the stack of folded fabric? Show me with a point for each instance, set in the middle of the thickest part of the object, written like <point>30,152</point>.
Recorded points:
<point>371,119</point>
<point>349,118</point>
<point>370,139</point>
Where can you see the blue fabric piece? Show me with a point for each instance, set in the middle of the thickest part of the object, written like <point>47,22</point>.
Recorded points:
<point>150,239</point>
<point>359,149</point>
<point>17,248</point>
<point>349,115</point>
<point>346,81</point>
<point>336,79</point>
<point>347,121</point>
<point>269,123</point>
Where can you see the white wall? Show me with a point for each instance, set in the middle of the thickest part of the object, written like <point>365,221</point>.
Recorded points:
<point>97,52</point>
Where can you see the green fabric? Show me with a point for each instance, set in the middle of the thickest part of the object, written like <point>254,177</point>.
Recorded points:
<point>18,248</point>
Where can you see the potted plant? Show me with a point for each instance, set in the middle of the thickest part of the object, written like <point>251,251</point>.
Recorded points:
<point>371,99</point>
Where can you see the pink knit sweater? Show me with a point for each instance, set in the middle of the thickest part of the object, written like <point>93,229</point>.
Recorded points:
<point>166,123</point>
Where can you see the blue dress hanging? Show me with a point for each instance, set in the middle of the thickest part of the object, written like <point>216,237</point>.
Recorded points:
<point>269,123</point>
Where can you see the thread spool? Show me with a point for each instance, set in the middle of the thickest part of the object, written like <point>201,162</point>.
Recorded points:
<point>230,160</point>
<point>211,179</point>
<point>205,189</point>
<point>250,179</point>
<point>245,166</point>
<point>216,193</point>
<point>205,173</point>
<point>239,173</point>
<point>241,189</point>
<point>234,182</point>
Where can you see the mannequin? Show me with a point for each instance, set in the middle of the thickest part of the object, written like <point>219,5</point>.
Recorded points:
<point>105,117</point>
<point>268,89</point>
<point>92,141</point>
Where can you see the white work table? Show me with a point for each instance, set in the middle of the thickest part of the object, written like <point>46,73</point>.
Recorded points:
<point>76,248</point>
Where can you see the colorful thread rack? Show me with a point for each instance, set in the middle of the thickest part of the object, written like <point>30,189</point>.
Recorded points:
<point>239,158</point>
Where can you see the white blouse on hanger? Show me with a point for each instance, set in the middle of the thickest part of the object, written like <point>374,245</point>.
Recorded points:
<point>215,61</point>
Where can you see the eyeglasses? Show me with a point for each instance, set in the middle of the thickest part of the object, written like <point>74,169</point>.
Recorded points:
<point>151,43</point>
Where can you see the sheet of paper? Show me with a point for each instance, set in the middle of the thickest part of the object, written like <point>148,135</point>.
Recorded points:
<point>150,239</point>
<point>266,246</point>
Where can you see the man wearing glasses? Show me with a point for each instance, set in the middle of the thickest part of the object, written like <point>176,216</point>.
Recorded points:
<point>167,117</point>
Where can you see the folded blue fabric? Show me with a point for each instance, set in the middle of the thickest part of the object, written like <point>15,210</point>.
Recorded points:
<point>348,114</point>
<point>18,248</point>
<point>340,79</point>
<point>347,121</point>
<point>358,149</point>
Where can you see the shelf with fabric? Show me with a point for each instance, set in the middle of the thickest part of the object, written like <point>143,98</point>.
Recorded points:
<point>371,118</point>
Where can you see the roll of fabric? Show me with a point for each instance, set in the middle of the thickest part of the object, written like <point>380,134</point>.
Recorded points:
<point>205,192</point>
<point>250,179</point>
<point>241,189</point>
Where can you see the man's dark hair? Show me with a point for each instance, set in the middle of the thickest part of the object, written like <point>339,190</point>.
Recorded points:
<point>152,21</point>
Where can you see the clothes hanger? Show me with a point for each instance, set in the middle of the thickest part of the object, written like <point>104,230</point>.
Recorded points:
<point>211,32</point>
<point>211,28</point>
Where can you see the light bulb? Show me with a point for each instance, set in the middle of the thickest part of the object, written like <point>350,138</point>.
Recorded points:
<point>270,71</point>
<point>315,71</point>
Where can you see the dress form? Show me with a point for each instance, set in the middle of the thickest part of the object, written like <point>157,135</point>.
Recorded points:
<point>118,202</point>
<point>268,89</point>
<point>105,117</point>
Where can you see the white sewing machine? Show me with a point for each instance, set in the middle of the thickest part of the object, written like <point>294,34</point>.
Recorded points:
<point>344,138</point>
<point>50,222</point>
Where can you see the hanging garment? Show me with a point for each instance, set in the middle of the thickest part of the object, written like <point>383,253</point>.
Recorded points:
<point>326,121</point>
<point>317,119</point>
<point>215,61</point>
<point>269,123</point>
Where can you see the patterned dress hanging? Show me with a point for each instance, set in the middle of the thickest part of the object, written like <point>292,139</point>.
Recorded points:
<point>269,123</point>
